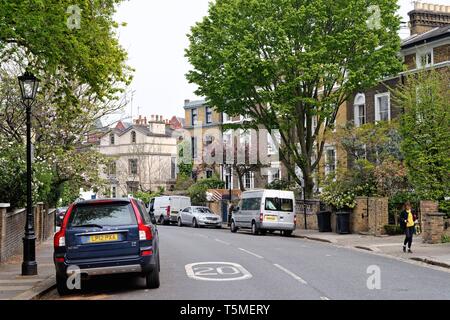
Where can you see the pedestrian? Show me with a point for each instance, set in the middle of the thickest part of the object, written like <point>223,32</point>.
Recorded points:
<point>230,213</point>
<point>408,222</point>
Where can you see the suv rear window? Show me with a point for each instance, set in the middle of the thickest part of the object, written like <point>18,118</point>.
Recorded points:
<point>279,204</point>
<point>111,214</point>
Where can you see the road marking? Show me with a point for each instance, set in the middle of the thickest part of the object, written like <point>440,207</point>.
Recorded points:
<point>20,281</point>
<point>200,235</point>
<point>217,271</point>
<point>324,298</point>
<point>293,275</point>
<point>223,242</point>
<point>252,253</point>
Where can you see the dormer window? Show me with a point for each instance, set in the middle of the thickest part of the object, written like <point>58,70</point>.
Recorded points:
<point>424,59</point>
<point>112,139</point>
<point>133,136</point>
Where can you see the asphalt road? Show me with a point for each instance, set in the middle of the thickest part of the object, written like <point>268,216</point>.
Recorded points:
<point>268,267</point>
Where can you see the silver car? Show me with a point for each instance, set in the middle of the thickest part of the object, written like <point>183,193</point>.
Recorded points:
<point>199,217</point>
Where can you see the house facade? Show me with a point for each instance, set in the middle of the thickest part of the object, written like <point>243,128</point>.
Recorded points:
<point>143,156</point>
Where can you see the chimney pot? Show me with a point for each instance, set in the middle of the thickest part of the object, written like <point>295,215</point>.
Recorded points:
<point>186,101</point>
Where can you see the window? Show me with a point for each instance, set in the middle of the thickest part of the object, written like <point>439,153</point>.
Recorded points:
<point>209,140</point>
<point>173,168</point>
<point>133,137</point>
<point>251,204</point>
<point>133,166</point>
<point>209,173</point>
<point>208,111</point>
<point>194,116</point>
<point>330,159</point>
<point>112,168</point>
<point>228,178</point>
<point>115,214</point>
<point>132,187</point>
<point>360,110</point>
<point>424,59</point>
<point>249,180</point>
<point>194,147</point>
<point>112,138</point>
<point>279,204</point>
<point>382,107</point>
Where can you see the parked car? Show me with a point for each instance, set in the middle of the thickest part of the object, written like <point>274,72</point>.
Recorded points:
<point>108,236</point>
<point>265,210</point>
<point>199,217</point>
<point>59,215</point>
<point>166,208</point>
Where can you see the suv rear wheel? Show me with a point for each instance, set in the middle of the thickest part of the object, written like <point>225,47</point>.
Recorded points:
<point>152,278</point>
<point>61,285</point>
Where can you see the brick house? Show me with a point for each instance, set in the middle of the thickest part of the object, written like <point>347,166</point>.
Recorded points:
<point>428,47</point>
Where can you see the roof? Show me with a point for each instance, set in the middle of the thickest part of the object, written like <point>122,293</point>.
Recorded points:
<point>429,36</point>
<point>194,104</point>
<point>142,129</point>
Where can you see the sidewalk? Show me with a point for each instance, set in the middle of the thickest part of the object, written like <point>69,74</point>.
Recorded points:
<point>434,254</point>
<point>13,286</point>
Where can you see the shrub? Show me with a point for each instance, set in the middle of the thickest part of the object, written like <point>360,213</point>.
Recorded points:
<point>445,238</point>
<point>392,229</point>
<point>197,192</point>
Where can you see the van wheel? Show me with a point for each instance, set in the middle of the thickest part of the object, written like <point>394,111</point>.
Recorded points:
<point>233,227</point>
<point>61,285</point>
<point>263,232</point>
<point>180,224</point>
<point>255,230</point>
<point>152,278</point>
<point>287,233</point>
<point>161,220</point>
<point>194,223</point>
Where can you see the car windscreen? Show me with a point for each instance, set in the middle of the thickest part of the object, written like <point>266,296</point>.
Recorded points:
<point>279,204</point>
<point>202,210</point>
<point>111,214</point>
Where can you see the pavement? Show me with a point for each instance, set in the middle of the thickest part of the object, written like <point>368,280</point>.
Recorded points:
<point>211,264</point>
<point>14,286</point>
<point>433,254</point>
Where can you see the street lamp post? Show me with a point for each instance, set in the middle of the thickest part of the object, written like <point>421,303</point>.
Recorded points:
<point>28,88</point>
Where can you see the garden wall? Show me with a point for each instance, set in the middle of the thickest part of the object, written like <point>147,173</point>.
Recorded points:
<point>12,228</point>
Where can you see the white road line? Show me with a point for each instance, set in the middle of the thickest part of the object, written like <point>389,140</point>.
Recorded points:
<point>223,242</point>
<point>293,275</point>
<point>200,235</point>
<point>324,298</point>
<point>252,253</point>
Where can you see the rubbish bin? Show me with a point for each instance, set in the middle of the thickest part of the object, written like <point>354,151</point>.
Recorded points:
<point>324,221</point>
<point>343,222</point>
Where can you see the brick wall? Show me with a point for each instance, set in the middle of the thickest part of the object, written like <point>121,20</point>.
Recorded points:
<point>312,207</point>
<point>441,53</point>
<point>12,227</point>
<point>432,222</point>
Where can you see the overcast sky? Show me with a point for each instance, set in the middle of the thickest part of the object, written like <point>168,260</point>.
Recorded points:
<point>155,39</point>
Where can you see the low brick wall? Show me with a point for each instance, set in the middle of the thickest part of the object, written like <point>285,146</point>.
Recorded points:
<point>433,224</point>
<point>12,226</point>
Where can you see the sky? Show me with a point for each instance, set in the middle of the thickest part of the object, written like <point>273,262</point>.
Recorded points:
<point>155,38</point>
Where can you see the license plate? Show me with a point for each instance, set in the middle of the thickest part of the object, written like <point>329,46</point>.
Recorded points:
<point>104,238</point>
<point>270,218</point>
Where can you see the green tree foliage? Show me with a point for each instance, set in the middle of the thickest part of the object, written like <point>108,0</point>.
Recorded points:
<point>425,129</point>
<point>41,36</point>
<point>197,192</point>
<point>285,63</point>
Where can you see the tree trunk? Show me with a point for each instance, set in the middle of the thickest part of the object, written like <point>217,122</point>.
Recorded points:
<point>309,186</point>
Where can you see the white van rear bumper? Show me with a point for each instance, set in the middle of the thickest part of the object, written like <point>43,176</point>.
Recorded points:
<point>276,225</point>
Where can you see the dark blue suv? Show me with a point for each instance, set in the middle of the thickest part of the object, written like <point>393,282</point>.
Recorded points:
<point>107,236</point>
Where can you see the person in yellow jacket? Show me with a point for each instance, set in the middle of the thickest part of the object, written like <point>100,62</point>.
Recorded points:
<point>408,222</point>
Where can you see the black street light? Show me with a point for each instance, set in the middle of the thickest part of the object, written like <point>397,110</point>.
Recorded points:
<point>28,88</point>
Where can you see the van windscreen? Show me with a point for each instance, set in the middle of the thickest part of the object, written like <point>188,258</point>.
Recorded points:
<point>279,204</point>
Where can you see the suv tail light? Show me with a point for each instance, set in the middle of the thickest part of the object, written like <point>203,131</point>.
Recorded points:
<point>145,232</point>
<point>59,240</point>
<point>168,211</point>
<point>261,217</point>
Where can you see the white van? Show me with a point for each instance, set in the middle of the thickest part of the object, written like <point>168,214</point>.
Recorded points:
<point>166,208</point>
<point>265,210</point>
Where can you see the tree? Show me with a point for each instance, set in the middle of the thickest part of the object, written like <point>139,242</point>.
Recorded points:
<point>290,64</point>
<point>425,130</point>
<point>65,43</point>
<point>197,192</point>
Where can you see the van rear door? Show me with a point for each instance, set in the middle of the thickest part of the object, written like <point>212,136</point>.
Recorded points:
<point>279,209</point>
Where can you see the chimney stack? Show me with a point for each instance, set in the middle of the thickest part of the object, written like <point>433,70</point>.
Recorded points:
<point>427,16</point>
<point>186,101</point>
